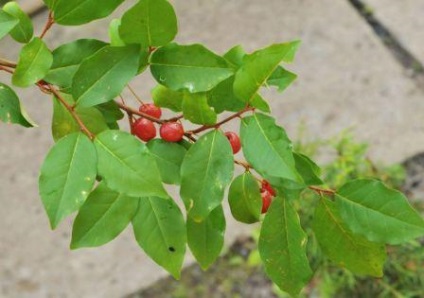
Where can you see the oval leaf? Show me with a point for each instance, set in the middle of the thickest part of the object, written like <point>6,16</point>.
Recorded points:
<point>267,148</point>
<point>377,212</point>
<point>309,170</point>
<point>191,67</point>
<point>160,230</point>
<point>167,98</point>
<point>77,12</point>
<point>197,110</point>
<point>7,23</point>
<point>149,23</point>
<point>169,157</point>
<point>104,215</point>
<point>282,247</point>
<point>34,62</point>
<point>245,199</point>
<point>346,249</point>
<point>10,108</point>
<point>68,57</point>
<point>23,30</point>
<point>206,171</point>
<point>127,166</point>
<point>206,238</point>
<point>67,176</point>
<point>103,76</point>
<point>259,66</point>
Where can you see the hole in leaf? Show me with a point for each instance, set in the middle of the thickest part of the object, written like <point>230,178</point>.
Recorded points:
<point>172,249</point>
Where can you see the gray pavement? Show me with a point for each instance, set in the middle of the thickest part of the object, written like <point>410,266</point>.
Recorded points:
<point>346,78</point>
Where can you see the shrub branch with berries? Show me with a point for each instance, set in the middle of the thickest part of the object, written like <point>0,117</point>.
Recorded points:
<point>112,178</point>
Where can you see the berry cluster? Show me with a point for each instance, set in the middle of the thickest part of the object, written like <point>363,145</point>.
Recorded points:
<point>267,194</point>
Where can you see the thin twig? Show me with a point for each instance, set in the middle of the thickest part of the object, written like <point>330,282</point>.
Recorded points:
<point>322,191</point>
<point>48,25</point>
<point>135,94</point>
<point>7,63</point>
<point>141,114</point>
<point>71,110</point>
<point>6,69</point>
<point>244,164</point>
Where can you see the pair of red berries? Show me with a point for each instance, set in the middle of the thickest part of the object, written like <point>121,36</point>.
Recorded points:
<point>267,193</point>
<point>145,129</point>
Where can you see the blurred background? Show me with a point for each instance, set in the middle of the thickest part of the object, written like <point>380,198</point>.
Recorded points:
<point>359,67</point>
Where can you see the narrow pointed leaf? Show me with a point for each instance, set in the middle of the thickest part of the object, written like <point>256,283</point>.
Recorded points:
<point>23,31</point>
<point>7,23</point>
<point>34,62</point>
<point>309,170</point>
<point>127,166</point>
<point>377,212</point>
<point>339,244</point>
<point>260,103</point>
<point>267,147</point>
<point>103,76</point>
<point>245,199</point>
<point>77,12</point>
<point>206,170</point>
<point>191,67</point>
<point>197,110</point>
<point>67,176</point>
<point>104,215</point>
<point>167,98</point>
<point>149,23</point>
<point>259,66</point>
<point>160,230</point>
<point>282,247</point>
<point>206,238</point>
<point>68,57</point>
<point>10,108</point>
<point>169,157</point>
<point>281,78</point>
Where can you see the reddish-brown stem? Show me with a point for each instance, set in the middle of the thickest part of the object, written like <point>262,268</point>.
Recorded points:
<point>48,25</point>
<point>244,164</point>
<point>322,191</point>
<point>71,110</point>
<point>135,94</point>
<point>6,69</point>
<point>217,125</point>
<point>141,114</point>
<point>7,63</point>
<point>176,118</point>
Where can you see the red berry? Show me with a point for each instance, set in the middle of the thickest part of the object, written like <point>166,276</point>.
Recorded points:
<point>144,129</point>
<point>172,131</point>
<point>266,200</point>
<point>266,186</point>
<point>151,110</point>
<point>234,141</point>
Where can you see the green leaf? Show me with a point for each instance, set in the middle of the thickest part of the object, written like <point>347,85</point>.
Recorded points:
<point>235,56</point>
<point>377,212</point>
<point>206,170</point>
<point>260,103</point>
<point>10,108</point>
<point>282,246</point>
<point>77,12</point>
<point>169,157</point>
<point>127,166</point>
<point>110,111</point>
<point>245,199</point>
<point>267,148</point>
<point>63,123</point>
<point>167,98</point>
<point>103,76</point>
<point>149,23</point>
<point>7,23</point>
<point>23,31</point>
<point>259,66</point>
<point>115,38</point>
<point>191,67</point>
<point>309,170</point>
<point>197,110</point>
<point>206,238</point>
<point>67,176</point>
<point>346,249</point>
<point>281,78</point>
<point>222,97</point>
<point>68,57</point>
<point>104,215</point>
<point>160,231</point>
<point>34,62</point>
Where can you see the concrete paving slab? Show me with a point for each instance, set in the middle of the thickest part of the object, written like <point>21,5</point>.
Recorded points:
<point>405,19</point>
<point>346,78</point>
